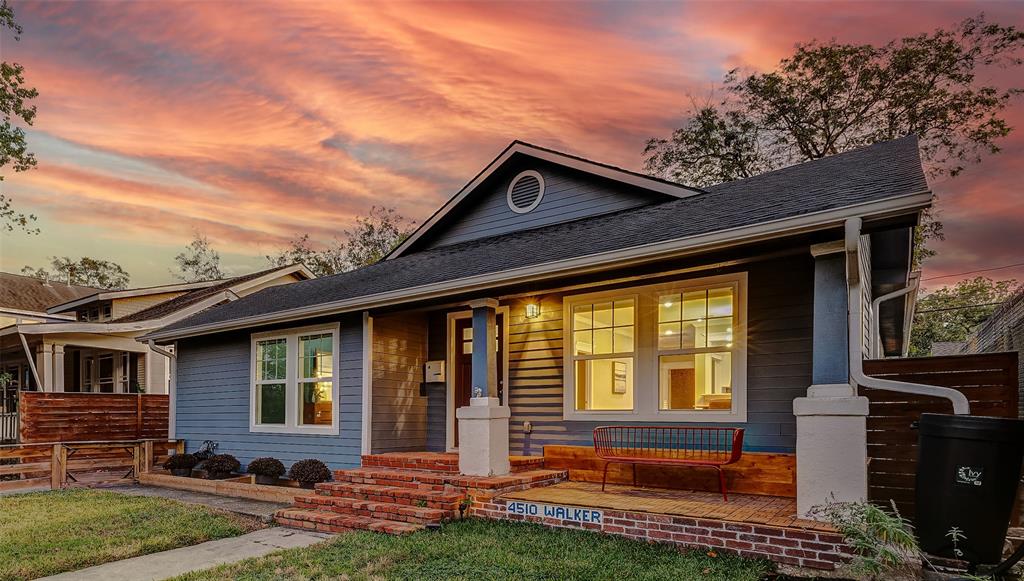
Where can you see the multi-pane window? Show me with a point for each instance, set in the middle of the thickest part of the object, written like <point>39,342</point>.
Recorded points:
<point>603,349</point>
<point>666,351</point>
<point>695,340</point>
<point>295,381</point>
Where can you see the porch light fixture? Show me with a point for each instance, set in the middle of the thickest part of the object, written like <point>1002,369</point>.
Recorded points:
<point>532,310</point>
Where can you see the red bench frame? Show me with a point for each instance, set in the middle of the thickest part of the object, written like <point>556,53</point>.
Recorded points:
<point>669,445</point>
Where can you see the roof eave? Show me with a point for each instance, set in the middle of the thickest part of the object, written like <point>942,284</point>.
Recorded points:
<point>594,262</point>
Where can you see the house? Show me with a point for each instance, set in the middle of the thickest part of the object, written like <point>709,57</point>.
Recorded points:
<point>553,294</point>
<point>1002,331</point>
<point>84,339</point>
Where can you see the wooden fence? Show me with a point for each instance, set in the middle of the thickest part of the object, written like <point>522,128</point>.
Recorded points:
<point>88,417</point>
<point>57,465</point>
<point>989,381</point>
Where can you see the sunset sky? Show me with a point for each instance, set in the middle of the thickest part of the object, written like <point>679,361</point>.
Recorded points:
<point>253,122</point>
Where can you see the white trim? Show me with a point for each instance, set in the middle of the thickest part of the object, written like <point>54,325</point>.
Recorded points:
<point>572,266</point>
<point>449,376</point>
<point>536,202</point>
<point>19,313</point>
<point>645,355</point>
<point>292,381</point>
<point>619,175</point>
<point>366,444</point>
<point>129,293</point>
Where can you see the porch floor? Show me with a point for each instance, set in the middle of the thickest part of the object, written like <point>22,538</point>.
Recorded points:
<point>774,511</point>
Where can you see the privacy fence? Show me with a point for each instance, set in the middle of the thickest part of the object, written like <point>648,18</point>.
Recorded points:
<point>78,417</point>
<point>988,380</point>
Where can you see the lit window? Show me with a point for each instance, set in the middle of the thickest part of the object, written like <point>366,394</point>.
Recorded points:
<point>295,381</point>
<point>603,348</point>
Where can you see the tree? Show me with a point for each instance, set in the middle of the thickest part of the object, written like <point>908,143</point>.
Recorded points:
<point>14,97</point>
<point>82,272</point>
<point>199,261</point>
<point>952,312</point>
<point>829,97</point>
<point>373,236</point>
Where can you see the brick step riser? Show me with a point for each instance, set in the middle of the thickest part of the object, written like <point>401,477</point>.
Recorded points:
<point>431,467</point>
<point>380,514</point>
<point>398,483</point>
<point>391,499</point>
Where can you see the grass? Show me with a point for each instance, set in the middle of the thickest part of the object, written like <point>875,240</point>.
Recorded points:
<point>51,532</point>
<point>479,550</point>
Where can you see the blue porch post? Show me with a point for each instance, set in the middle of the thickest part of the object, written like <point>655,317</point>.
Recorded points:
<point>483,424</point>
<point>831,430</point>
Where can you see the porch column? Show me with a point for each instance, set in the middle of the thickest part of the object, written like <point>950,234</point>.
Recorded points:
<point>483,424</point>
<point>44,365</point>
<point>831,427</point>
<point>58,367</point>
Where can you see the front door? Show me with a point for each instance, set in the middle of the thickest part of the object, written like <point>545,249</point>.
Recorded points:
<point>463,364</point>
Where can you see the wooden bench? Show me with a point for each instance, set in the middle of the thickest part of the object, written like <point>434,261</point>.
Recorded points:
<point>669,445</point>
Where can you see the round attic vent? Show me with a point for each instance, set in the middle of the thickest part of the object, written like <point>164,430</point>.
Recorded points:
<point>525,191</point>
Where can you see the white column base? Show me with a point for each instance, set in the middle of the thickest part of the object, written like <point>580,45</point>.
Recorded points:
<point>483,438</point>
<point>831,449</point>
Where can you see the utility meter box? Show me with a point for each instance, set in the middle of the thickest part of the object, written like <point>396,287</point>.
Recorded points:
<point>434,372</point>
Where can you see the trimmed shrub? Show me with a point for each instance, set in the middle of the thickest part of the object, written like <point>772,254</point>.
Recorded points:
<point>266,467</point>
<point>181,462</point>
<point>222,464</point>
<point>309,471</point>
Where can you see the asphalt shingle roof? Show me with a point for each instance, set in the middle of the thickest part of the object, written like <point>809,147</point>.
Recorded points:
<point>27,293</point>
<point>869,174</point>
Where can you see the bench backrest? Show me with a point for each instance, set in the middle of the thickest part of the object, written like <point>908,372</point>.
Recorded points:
<point>669,443</point>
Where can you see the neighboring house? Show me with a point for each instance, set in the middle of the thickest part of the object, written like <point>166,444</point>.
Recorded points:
<point>83,340</point>
<point>553,294</point>
<point>1003,331</point>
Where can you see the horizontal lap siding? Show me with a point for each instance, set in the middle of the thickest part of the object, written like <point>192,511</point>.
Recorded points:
<point>399,411</point>
<point>213,401</point>
<point>778,363</point>
<point>568,195</point>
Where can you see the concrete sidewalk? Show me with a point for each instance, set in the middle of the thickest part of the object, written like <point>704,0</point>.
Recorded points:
<point>203,556</point>
<point>257,509</point>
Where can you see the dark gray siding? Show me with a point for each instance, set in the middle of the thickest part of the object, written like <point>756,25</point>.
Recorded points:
<point>779,313</point>
<point>568,195</point>
<point>213,401</point>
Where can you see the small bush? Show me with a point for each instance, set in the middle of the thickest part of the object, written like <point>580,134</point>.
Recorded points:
<point>222,464</point>
<point>181,462</point>
<point>309,470</point>
<point>266,467</point>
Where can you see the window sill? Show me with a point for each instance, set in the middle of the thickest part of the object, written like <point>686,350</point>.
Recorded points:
<point>704,417</point>
<point>295,430</point>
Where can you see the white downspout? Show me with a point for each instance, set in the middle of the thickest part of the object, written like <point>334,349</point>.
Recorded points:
<point>876,337</point>
<point>856,336</point>
<point>172,383</point>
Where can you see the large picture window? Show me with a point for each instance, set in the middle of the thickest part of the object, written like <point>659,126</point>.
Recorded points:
<point>667,352</point>
<point>294,381</point>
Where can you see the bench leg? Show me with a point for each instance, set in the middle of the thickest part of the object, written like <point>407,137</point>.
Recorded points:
<point>634,475</point>
<point>604,480</point>
<point>721,484</point>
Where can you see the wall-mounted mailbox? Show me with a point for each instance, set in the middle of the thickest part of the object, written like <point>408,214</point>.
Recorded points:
<point>434,371</point>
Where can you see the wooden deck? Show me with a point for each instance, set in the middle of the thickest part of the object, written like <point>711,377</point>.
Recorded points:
<point>741,508</point>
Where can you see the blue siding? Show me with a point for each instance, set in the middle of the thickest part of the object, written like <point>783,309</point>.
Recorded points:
<point>213,401</point>
<point>568,195</point>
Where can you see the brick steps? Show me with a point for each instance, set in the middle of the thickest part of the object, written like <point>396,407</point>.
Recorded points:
<point>332,522</point>
<point>445,462</point>
<point>377,510</point>
<point>391,494</point>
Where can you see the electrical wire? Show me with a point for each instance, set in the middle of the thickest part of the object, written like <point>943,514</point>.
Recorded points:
<point>972,271</point>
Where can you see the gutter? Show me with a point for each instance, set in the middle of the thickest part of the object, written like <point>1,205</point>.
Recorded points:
<point>856,335</point>
<point>810,222</point>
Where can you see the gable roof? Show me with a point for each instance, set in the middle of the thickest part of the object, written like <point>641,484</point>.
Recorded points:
<point>873,181</point>
<point>28,293</point>
<point>107,294</point>
<point>520,148</point>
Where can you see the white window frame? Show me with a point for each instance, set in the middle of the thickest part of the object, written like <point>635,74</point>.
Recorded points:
<point>292,383</point>
<point>646,374</point>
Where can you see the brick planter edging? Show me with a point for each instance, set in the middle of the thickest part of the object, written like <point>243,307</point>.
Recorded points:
<point>790,546</point>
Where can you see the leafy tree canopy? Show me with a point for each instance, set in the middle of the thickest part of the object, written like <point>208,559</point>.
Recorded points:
<point>198,262</point>
<point>952,312</point>
<point>82,272</point>
<point>829,97</point>
<point>14,106</point>
<point>373,236</point>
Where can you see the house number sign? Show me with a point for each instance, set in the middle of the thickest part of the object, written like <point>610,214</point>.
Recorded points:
<point>570,513</point>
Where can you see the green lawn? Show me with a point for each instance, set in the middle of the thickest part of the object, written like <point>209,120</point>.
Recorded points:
<point>51,532</point>
<point>480,550</point>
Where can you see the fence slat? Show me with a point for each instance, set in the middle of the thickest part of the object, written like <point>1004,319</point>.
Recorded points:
<point>62,416</point>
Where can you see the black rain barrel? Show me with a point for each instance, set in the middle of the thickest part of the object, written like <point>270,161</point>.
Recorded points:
<point>968,469</point>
